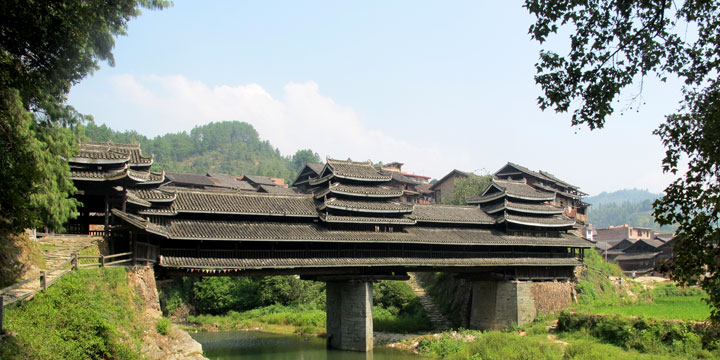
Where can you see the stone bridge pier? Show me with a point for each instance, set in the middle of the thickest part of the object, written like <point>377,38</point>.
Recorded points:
<point>349,315</point>
<point>501,304</point>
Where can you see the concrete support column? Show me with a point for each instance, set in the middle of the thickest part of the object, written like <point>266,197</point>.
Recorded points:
<point>349,315</point>
<point>501,304</point>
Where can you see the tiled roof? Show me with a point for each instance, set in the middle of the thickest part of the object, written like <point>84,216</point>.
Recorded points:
<point>366,206</point>
<point>362,171</point>
<point>187,229</point>
<point>229,182</point>
<point>153,195</point>
<point>110,150</point>
<point>84,175</point>
<point>143,177</point>
<point>454,173</point>
<point>362,191</point>
<point>231,263</point>
<point>329,218</point>
<point>134,199</point>
<point>540,221</point>
<point>451,214</point>
<point>146,177</point>
<point>510,188</point>
<point>226,202</point>
<point>259,180</point>
<point>558,181</point>
<point>279,190</point>
<point>99,157</point>
<point>316,167</point>
<point>636,256</point>
<point>189,179</point>
<point>524,207</point>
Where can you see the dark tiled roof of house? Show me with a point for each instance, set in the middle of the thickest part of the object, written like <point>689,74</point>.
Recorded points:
<point>366,206</point>
<point>454,173</point>
<point>146,177</point>
<point>451,214</point>
<point>361,171</point>
<point>219,202</point>
<point>134,199</point>
<point>230,263</point>
<point>91,175</point>
<point>189,179</point>
<point>316,167</point>
<point>278,190</point>
<point>636,256</point>
<point>614,234</point>
<point>259,180</point>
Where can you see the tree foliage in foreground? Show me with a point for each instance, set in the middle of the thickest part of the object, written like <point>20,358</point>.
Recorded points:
<point>45,48</point>
<point>617,43</point>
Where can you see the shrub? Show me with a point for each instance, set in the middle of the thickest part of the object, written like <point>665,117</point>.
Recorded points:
<point>162,326</point>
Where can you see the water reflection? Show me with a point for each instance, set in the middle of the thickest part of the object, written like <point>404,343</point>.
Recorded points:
<point>254,345</point>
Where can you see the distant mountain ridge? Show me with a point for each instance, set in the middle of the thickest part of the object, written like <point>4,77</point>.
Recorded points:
<point>621,196</point>
<point>628,206</point>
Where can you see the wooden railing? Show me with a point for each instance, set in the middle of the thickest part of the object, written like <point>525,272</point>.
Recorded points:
<point>74,262</point>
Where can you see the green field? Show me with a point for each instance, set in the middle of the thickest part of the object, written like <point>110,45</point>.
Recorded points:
<point>688,308</point>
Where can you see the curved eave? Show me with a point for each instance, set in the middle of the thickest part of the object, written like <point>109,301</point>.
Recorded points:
<point>383,179</point>
<point>532,198</point>
<point>157,213</point>
<point>340,192</point>
<point>431,221</point>
<point>138,222</point>
<point>321,180</point>
<point>528,223</point>
<point>164,200</point>
<point>378,221</point>
<point>363,210</point>
<point>81,160</point>
<point>139,202</point>
<point>485,198</point>
<point>244,213</point>
<point>526,211</point>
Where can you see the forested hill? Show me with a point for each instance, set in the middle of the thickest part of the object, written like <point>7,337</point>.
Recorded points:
<point>231,147</point>
<point>621,196</point>
<point>629,206</point>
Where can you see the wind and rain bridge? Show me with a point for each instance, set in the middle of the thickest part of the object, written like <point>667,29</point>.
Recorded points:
<point>343,225</point>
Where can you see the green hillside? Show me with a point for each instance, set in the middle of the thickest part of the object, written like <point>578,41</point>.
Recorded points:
<point>621,196</point>
<point>629,206</point>
<point>231,147</point>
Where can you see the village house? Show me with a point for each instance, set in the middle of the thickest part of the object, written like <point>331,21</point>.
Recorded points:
<point>444,189</point>
<point>416,188</point>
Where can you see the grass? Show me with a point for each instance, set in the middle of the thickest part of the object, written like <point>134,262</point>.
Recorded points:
<point>275,318</point>
<point>87,314</point>
<point>687,308</point>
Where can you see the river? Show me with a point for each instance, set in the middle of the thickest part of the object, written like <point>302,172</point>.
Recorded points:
<point>256,345</point>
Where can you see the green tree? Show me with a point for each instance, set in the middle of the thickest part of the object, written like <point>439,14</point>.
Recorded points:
<point>615,44</point>
<point>304,156</point>
<point>467,187</point>
<point>45,48</point>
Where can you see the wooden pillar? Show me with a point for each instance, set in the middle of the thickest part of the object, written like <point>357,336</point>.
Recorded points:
<point>134,248</point>
<point>75,261</point>
<point>106,232</point>
<point>102,260</point>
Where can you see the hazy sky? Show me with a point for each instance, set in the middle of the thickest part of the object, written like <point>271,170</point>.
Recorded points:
<point>435,85</point>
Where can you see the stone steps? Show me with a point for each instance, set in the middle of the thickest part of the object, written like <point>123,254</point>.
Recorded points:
<point>63,246</point>
<point>439,321</point>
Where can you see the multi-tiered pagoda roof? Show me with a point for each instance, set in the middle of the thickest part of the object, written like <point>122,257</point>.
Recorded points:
<point>521,206</point>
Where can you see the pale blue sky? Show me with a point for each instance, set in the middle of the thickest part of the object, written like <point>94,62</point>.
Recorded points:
<point>436,85</point>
